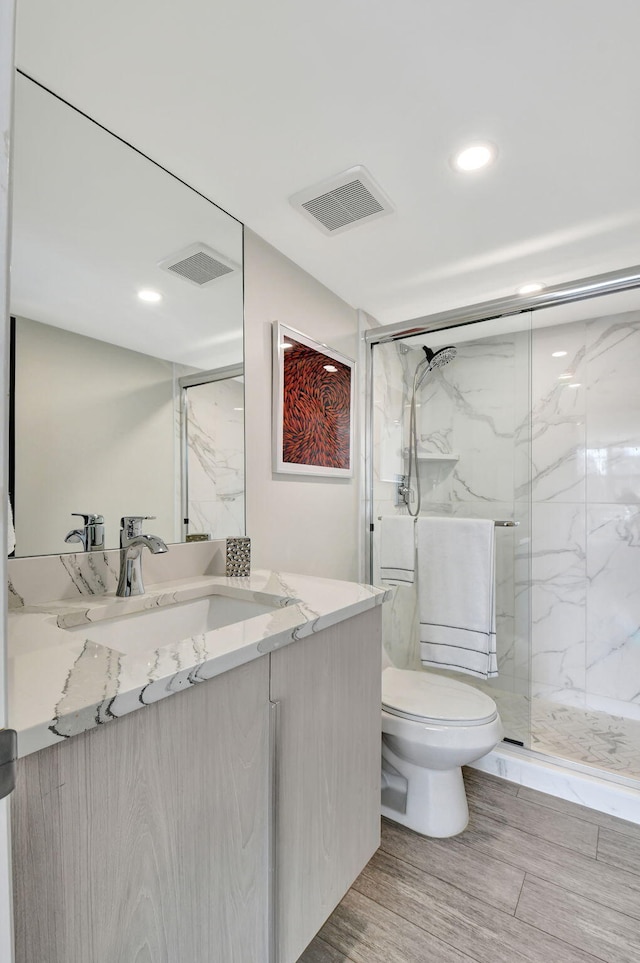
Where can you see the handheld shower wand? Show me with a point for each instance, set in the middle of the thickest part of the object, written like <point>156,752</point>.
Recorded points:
<point>433,359</point>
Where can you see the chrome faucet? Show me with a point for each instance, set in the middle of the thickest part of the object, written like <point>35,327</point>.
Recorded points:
<point>91,535</point>
<point>132,541</point>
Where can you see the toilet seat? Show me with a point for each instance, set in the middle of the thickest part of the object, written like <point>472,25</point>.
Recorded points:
<point>434,700</point>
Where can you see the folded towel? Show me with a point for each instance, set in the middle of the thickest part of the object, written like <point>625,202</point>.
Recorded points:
<point>397,549</point>
<point>456,595</point>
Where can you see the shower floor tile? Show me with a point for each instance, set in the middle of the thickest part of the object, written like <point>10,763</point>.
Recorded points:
<point>610,743</point>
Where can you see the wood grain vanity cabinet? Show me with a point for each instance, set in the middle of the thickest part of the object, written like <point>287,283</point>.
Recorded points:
<point>328,772</point>
<point>148,840</point>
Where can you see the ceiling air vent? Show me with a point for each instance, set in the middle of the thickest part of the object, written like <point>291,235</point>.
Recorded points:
<point>344,201</point>
<point>199,265</point>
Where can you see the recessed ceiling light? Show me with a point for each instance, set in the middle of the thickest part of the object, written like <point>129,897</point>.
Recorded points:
<point>148,295</point>
<point>559,354</point>
<point>329,367</point>
<point>238,409</point>
<point>531,288</point>
<point>474,157</point>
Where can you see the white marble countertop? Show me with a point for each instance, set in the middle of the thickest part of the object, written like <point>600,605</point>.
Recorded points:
<point>62,683</point>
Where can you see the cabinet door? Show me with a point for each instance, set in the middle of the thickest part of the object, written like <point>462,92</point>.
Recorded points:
<point>145,839</point>
<point>328,772</point>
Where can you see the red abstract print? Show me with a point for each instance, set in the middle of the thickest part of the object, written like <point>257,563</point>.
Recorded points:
<point>316,408</point>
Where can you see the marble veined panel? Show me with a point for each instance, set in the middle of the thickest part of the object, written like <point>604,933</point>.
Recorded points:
<point>558,431</point>
<point>558,595</point>
<point>562,695</point>
<point>613,409</point>
<point>391,374</point>
<point>613,610</point>
<point>225,514</point>
<point>485,470</point>
<point>216,439</point>
<point>484,422</point>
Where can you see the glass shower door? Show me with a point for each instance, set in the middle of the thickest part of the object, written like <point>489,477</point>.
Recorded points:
<point>474,440</point>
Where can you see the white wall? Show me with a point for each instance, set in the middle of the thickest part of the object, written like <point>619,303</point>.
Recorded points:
<point>94,433</point>
<point>297,524</point>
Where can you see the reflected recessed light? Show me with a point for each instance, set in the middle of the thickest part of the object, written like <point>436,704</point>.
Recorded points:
<point>576,385</point>
<point>238,409</point>
<point>148,295</point>
<point>329,367</point>
<point>285,346</point>
<point>532,288</point>
<point>567,376</point>
<point>559,354</point>
<point>474,157</point>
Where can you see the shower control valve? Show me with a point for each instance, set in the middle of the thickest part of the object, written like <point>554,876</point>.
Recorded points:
<point>404,495</point>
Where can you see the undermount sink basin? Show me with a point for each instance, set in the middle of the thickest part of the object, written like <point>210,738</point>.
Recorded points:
<point>145,631</point>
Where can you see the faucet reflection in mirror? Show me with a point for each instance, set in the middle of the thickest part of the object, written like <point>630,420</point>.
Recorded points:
<point>132,541</point>
<point>91,535</point>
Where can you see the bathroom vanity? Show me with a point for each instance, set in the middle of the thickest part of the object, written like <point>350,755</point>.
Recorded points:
<point>197,800</point>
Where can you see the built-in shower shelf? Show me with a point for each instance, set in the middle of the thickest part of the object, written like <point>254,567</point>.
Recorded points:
<point>435,455</point>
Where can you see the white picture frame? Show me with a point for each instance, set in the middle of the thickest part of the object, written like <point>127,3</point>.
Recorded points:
<point>313,406</point>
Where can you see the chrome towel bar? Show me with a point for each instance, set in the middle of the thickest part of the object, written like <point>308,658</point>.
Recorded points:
<point>499,523</point>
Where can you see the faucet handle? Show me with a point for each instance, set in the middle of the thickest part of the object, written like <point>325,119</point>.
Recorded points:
<point>132,524</point>
<point>89,518</point>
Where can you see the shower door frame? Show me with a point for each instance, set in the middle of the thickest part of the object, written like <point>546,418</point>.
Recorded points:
<point>626,279</point>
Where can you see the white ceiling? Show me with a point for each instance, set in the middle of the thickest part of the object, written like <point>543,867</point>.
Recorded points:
<point>251,102</point>
<point>92,219</point>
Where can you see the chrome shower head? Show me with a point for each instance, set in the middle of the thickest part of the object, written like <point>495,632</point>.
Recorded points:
<point>437,359</point>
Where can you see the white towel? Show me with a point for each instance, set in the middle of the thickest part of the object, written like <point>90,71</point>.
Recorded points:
<point>397,549</point>
<point>456,595</point>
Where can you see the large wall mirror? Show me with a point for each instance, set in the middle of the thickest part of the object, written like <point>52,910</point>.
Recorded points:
<point>120,405</point>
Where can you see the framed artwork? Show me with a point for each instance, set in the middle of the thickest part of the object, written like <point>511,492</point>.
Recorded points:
<point>313,396</point>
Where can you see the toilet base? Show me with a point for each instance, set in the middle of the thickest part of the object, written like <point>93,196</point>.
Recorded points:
<point>436,799</point>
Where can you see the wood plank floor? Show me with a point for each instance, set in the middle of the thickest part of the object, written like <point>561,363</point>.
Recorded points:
<point>533,879</point>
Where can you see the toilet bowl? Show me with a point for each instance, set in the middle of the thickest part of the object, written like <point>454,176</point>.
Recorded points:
<point>431,727</point>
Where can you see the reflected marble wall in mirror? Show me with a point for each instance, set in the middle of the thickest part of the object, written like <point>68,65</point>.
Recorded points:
<point>98,389</point>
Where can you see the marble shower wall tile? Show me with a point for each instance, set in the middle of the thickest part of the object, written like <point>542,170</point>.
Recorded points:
<point>613,608</point>
<point>579,512</point>
<point>613,405</point>
<point>558,431</point>
<point>390,374</point>
<point>461,409</point>
<point>562,695</point>
<point>216,458</point>
<point>483,430</point>
<point>558,595</point>
<point>522,594</point>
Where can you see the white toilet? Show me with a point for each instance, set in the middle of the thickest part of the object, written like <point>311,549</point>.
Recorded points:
<point>431,726</point>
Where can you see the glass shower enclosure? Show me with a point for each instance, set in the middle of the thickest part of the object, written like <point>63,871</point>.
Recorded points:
<point>535,423</point>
